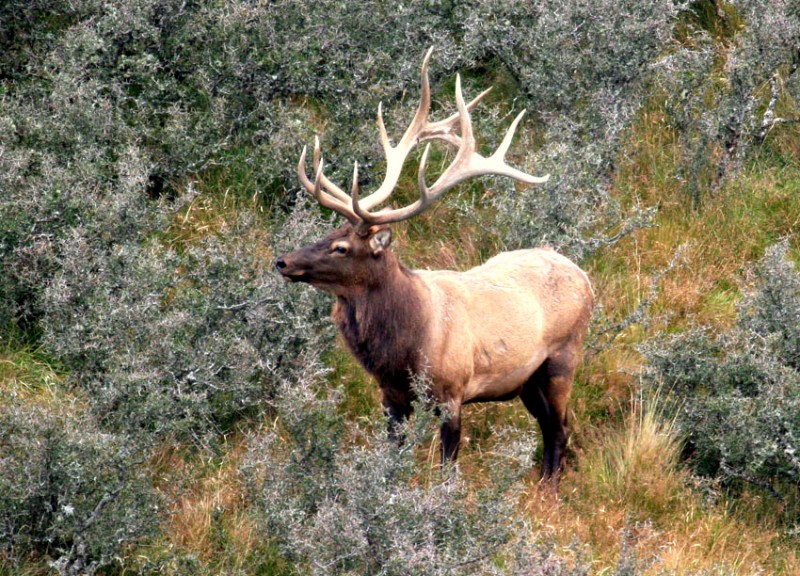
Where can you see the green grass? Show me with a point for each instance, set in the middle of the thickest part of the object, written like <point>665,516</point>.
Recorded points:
<point>27,372</point>
<point>361,395</point>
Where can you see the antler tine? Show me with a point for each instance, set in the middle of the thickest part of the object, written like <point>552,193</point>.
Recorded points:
<point>354,189</point>
<point>443,129</point>
<point>500,155</point>
<point>465,121</point>
<point>324,191</point>
<point>396,155</point>
<point>359,212</point>
<point>387,146</point>
<point>329,186</point>
<point>396,215</point>
<point>506,143</point>
<point>301,172</point>
<point>424,108</point>
<point>420,130</point>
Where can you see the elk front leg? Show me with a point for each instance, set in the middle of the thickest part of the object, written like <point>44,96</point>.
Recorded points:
<point>396,415</point>
<point>450,434</point>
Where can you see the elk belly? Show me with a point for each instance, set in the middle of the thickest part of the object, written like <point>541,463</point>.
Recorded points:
<point>500,375</point>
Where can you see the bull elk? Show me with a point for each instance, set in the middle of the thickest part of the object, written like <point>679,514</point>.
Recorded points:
<point>511,327</point>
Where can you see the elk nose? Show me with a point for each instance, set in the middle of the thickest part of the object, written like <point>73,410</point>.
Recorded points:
<point>280,264</point>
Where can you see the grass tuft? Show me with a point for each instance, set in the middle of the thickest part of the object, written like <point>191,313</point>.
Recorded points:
<point>209,519</point>
<point>27,373</point>
<point>637,464</point>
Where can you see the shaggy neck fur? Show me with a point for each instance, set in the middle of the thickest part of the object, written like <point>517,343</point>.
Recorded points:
<point>384,326</point>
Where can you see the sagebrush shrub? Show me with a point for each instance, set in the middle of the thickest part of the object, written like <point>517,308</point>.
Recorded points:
<point>336,507</point>
<point>165,91</point>
<point>724,92</point>
<point>773,309</point>
<point>737,395</point>
<point>182,342</point>
<point>68,490</point>
<point>132,101</point>
<point>584,71</point>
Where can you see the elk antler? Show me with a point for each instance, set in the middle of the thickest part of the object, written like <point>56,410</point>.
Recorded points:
<point>467,163</point>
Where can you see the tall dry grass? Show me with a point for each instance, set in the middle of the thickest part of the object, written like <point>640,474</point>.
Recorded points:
<point>209,519</point>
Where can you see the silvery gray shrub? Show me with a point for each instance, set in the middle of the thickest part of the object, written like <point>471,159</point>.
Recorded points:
<point>726,95</point>
<point>69,491</point>
<point>180,342</point>
<point>340,499</point>
<point>737,395</point>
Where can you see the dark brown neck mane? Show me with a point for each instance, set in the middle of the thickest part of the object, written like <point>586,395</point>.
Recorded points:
<point>383,325</point>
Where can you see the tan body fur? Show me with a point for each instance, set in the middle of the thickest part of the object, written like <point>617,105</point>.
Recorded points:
<point>492,326</point>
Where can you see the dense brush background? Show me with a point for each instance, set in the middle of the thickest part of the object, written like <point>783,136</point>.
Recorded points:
<point>169,406</point>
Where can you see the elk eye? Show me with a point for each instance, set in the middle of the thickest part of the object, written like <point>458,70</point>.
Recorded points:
<point>340,249</point>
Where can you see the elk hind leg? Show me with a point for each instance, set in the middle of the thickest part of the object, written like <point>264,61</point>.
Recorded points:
<point>545,395</point>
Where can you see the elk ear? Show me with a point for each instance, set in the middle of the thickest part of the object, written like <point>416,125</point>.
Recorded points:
<point>379,240</point>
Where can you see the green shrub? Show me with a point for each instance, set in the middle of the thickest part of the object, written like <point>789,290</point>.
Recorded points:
<point>773,309</point>
<point>737,395</point>
<point>132,100</point>
<point>69,491</point>
<point>339,507</point>
<point>27,26</point>
<point>725,94</point>
<point>181,342</point>
<point>584,69</point>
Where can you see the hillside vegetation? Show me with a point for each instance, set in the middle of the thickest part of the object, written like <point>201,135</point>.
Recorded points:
<point>168,405</point>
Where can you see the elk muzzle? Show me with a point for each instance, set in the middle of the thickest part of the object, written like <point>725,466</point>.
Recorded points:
<point>289,272</point>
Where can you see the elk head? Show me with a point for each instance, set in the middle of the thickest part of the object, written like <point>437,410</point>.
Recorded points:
<point>351,255</point>
<point>344,259</point>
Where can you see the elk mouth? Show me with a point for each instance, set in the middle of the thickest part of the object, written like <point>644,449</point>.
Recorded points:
<point>293,276</point>
<point>289,274</point>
